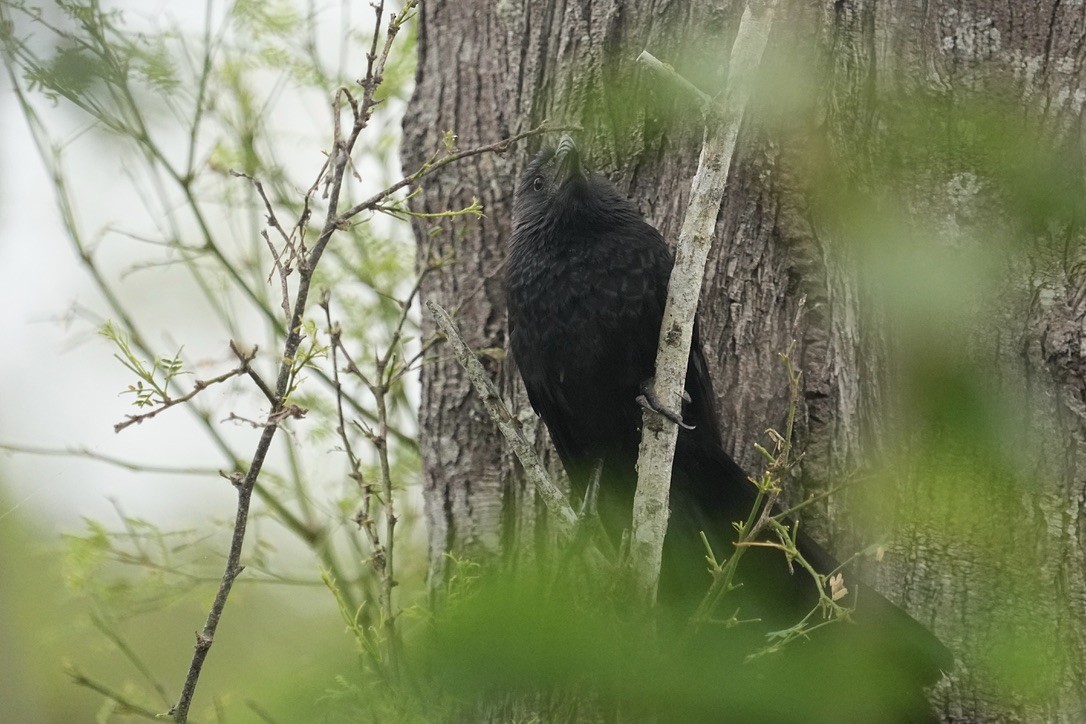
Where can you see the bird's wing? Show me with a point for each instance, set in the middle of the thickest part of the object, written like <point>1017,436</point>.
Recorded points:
<point>549,401</point>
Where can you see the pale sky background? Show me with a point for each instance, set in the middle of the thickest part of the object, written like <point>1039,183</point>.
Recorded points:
<point>59,382</point>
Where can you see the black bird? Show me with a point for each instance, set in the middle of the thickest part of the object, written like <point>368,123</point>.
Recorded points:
<point>586,280</point>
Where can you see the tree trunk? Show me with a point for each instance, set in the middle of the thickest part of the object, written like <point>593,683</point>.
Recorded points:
<point>490,69</point>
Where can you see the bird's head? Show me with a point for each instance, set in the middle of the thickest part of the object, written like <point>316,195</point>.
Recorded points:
<point>556,189</point>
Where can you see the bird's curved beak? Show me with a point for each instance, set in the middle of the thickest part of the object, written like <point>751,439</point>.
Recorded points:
<point>567,161</point>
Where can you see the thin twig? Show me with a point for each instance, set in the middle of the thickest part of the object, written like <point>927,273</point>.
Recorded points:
<point>130,654</point>
<point>253,374</point>
<point>124,704</point>
<point>763,515</point>
<point>51,155</point>
<point>498,147</point>
<point>290,251</point>
<point>363,519</point>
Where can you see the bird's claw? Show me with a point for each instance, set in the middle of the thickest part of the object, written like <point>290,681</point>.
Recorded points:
<point>647,399</point>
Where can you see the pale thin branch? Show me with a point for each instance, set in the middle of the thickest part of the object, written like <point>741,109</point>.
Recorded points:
<point>87,453</point>
<point>552,496</point>
<point>657,450</point>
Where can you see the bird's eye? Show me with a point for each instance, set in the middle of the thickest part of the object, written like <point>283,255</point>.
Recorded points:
<point>537,183</point>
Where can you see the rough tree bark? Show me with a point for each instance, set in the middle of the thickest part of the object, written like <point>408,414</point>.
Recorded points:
<point>488,69</point>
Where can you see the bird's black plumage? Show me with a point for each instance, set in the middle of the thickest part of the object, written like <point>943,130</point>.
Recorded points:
<point>586,281</point>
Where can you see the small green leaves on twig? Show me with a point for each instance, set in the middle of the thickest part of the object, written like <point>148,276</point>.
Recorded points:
<point>155,378</point>
<point>768,527</point>
<point>400,209</point>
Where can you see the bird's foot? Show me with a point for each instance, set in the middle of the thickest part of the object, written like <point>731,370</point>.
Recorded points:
<point>647,399</point>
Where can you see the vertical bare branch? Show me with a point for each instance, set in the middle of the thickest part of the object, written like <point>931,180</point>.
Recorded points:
<point>657,451</point>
